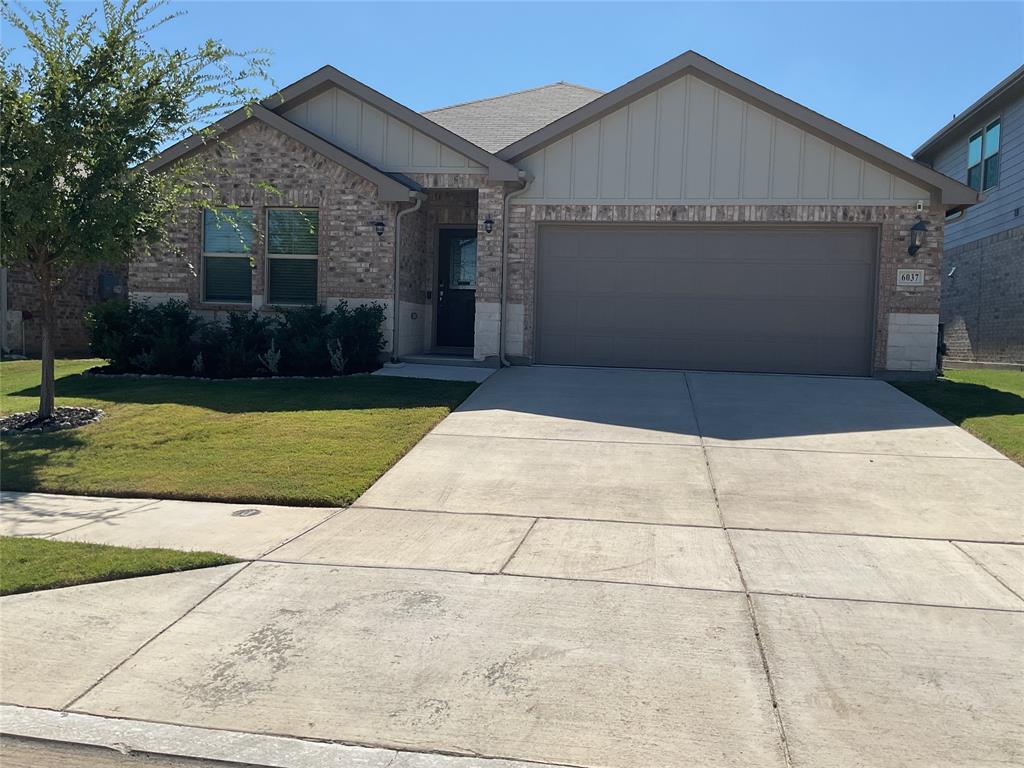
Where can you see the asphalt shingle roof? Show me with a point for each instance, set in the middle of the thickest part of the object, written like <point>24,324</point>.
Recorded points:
<point>494,123</point>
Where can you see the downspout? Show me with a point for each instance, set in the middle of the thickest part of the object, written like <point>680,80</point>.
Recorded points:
<point>396,306</point>
<point>526,179</point>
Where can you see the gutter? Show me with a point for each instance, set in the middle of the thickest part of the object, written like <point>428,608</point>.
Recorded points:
<point>526,179</point>
<point>396,306</point>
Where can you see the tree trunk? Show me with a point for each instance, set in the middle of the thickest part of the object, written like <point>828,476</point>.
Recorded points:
<point>46,385</point>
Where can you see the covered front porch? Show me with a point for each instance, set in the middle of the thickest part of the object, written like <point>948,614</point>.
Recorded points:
<point>450,277</point>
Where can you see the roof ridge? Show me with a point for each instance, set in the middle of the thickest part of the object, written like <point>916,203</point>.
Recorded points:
<point>505,95</point>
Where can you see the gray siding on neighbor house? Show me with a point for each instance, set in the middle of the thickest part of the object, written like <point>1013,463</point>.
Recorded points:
<point>689,141</point>
<point>995,213</point>
<point>376,137</point>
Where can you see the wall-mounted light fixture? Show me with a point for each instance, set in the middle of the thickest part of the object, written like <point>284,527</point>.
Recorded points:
<point>488,224</point>
<point>378,227</point>
<point>917,233</point>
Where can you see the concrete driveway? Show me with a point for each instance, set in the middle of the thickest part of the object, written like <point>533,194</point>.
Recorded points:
<point>602,568</point>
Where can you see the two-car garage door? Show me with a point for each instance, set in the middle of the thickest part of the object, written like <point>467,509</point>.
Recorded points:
<point>778,299</point>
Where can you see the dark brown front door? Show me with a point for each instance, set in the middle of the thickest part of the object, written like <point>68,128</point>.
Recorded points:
<point>456,287</point>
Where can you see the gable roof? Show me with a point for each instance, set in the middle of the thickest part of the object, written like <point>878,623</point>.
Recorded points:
<point>951,192</point>
<point>494,123</point>
<point>391,187</point>
<point>327,76</point>
<point>1006,88</point>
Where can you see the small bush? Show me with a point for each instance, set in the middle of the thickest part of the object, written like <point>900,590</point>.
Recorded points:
<point>360,331</point>
<point>168,338</point>
<point>302,336</point>
<point>112,334</point>
<point>248,337</point>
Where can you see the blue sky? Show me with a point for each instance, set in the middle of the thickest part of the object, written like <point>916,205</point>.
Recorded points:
<point>894,71</point>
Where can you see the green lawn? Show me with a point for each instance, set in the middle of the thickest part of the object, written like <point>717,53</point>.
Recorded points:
<point>283,441</point>
<point>988,404</point>
<point>28,565</point>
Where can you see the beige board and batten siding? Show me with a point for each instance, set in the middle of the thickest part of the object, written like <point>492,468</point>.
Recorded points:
<point>689,141</point>
<point>375,136</point>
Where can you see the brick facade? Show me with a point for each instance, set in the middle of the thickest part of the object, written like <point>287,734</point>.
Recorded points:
<point>79,293</point>
<point>354,262</point>
<point>893,224</point>
<point>982,309</point>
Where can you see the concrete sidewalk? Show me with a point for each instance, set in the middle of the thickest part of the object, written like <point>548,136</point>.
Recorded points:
<point>579,567</point>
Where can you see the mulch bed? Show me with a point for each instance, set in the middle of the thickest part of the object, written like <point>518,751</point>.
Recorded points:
<point>64,417</point>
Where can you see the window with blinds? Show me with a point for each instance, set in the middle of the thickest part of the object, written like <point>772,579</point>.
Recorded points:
<point>293,239</point>
<point>227,243</point>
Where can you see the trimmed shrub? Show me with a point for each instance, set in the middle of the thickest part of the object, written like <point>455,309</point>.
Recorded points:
<point>248,336</point>
<point>360,331</point>
<point>112,334</point>
<point>168,338</point>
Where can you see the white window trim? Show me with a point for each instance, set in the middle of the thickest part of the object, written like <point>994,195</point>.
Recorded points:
<point>294,256</point>
<point>221,255</point>
<point>981,132</point>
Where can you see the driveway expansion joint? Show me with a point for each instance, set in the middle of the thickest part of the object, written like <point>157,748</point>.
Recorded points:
<point>987,570</point>
<point>776,713</point>
<point>133,654</point>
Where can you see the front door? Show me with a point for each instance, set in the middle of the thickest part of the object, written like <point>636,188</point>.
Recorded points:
<point>456,287</point>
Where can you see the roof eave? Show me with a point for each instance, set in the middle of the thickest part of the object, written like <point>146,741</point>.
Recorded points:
<point>988,100</point>
<point>313,84</point>
<point>389,189</point>
<point>949,191</point>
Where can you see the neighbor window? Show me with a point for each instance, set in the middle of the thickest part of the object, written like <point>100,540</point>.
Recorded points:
<point>227,243</point>
<point>293,236</point>
<point>983,158</point>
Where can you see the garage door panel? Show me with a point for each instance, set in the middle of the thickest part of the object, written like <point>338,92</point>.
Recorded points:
<point>751,298</point>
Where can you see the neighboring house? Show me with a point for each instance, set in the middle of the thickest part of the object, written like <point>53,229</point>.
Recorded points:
<point>21,308</point>
<point>688,219</point>
<point>982,310</point>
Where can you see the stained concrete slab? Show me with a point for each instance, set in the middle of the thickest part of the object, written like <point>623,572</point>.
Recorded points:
<point>867,568</point>
<point>579,404</point>
<point>240,530</point>
<point>496,666</point>
<point>628,552</point>
<point>1004,561</point>
<point>400,538</point>
<point>973,499</point>
<point>824,414</point>
<point>870,684</point>
<point>55,644</point>
<point>554,478</point>
<point>45,514</point>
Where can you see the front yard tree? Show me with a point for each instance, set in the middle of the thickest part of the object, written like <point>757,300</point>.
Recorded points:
<point>91,100</point>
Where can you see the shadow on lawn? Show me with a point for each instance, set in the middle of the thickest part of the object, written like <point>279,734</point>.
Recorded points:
<point>24,456</point>
<point>277,395</point>
<point>959,401</point>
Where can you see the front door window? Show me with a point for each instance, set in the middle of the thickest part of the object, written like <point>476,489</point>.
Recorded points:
<point>462,263</point>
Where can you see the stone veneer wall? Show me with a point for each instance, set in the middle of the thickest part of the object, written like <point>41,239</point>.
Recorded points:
<point>893,223</point>
<point>982,308</point>
<point>355,264</point>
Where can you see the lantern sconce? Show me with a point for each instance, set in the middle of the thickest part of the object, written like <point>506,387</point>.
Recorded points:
<point>378,227</point>
<point>488,224</point>
<point>917,233</point>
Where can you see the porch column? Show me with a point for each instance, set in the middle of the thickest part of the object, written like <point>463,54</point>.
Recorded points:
<point>490,201</point>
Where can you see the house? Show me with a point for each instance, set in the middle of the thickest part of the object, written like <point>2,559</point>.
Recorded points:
<point>982,311</point>
<point>687,219</point>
